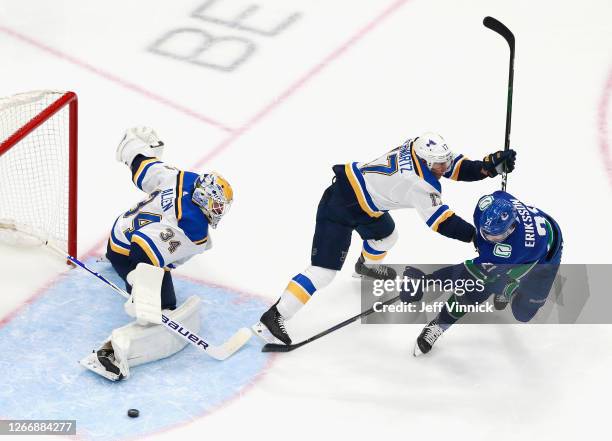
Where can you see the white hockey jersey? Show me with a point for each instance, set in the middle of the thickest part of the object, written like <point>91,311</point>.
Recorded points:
<point>167,225</point>
<point>400,179</point>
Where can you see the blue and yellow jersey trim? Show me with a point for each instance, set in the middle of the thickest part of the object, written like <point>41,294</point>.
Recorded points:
<point>301,287</point>
<point>358,185</point>
<point>372,254</point>
<point>118,248</point>
<point>453,171</point>
<point>117,245</point>
<point>201,242</point>
<point>189,216</point>
<point>178,204</point>
<point>142,170</point>
<point>420,167</point>
<point>149,248</point>
<point>440,215</point>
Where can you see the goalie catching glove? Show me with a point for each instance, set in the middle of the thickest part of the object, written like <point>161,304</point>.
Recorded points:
<point>139,141</point>
<point>494,163</point>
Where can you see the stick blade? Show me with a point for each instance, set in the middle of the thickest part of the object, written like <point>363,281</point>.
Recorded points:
<point>227,349</point>
<point>275,347</point>
<point>497,26</point>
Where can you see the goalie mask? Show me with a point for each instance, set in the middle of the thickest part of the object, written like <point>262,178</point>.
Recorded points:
<point>214,195</point>
<point>433,149</point>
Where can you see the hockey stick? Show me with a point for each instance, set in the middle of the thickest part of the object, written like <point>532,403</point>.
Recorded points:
<point>222,352</point>
<point>273,347</point>
<point>497,26</point>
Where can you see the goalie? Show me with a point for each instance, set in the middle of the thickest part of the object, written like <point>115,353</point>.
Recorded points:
<point>163,231</point>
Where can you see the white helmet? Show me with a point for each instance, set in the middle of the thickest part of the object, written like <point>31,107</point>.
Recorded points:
<point>433,149</point>
<point>214,195</point>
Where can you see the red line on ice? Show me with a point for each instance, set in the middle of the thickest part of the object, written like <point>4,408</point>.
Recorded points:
<point>115,79</point>
<point>602,123</point>
<point>394,7</point>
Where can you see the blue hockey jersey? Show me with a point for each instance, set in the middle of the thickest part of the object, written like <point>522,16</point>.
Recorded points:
<point>502,265</point>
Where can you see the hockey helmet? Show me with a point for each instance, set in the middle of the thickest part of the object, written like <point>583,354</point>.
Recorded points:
<point>498,220</point>
<point>214,195</point>
<point>432,148</point>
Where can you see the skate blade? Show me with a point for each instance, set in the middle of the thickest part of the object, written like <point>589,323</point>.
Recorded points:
<point>260,330</point>
<point>416,351</point>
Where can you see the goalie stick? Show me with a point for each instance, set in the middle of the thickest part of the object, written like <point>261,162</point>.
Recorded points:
<point>498,27</point>
<point>274,347</point>
<point>222,352</point>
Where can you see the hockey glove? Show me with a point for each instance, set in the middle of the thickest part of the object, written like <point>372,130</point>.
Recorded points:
<point>139,141</point>
<point>409,291</point>
<point>494,163</point>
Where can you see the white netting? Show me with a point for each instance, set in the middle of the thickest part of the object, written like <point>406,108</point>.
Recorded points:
<point>14,234</point>
<point>34,185</point>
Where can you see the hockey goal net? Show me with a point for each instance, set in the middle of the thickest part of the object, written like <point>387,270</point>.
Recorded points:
<point>38,169</point>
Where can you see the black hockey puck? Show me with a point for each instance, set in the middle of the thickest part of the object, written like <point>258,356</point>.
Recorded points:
<point>133,413</point>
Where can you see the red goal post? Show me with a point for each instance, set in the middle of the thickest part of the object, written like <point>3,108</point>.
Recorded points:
<point>38,166</point>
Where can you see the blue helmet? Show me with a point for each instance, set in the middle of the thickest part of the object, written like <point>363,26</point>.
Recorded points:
<point>498,220</point>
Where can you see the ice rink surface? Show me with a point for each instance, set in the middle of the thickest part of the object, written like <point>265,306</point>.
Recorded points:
<point>277,99</point>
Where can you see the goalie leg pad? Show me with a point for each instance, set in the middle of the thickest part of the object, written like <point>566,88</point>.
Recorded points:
<point>134,344</point>
<point>145,301</point>
<point>123,265</point>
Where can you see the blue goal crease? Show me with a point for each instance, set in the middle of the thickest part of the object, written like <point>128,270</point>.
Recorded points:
<point>43,343</point>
